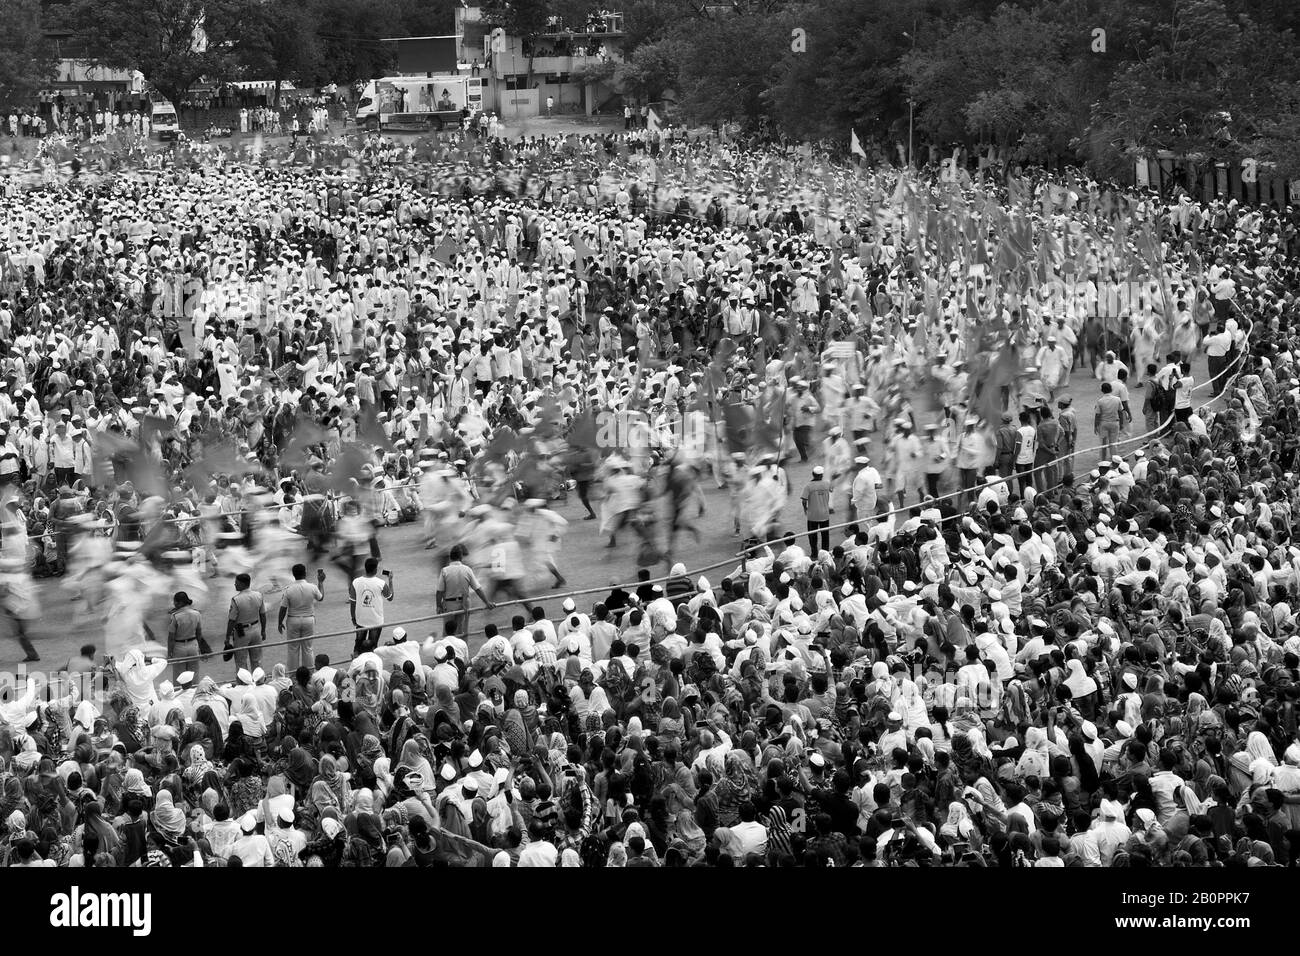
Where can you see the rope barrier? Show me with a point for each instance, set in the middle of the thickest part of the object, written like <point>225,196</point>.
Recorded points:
<point>1144,438</point>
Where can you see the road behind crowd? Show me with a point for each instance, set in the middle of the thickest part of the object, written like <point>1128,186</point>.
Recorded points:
<point>584,561</point>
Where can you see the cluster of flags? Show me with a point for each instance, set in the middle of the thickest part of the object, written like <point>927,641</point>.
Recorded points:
<point>1002,245</point>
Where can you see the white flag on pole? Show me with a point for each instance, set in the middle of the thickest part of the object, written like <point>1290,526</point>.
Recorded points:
<point>855,146</point>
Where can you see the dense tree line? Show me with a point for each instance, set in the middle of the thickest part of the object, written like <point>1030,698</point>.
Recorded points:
<point>1042,81</point>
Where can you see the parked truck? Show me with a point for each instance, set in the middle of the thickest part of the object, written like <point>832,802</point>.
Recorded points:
<point>419,102</point>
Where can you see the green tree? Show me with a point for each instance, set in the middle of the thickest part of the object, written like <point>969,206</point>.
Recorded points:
<point>278,41</point>
<point>727,64</point>
<point>850,75</point>
<point>173,43</point>
<point>26,59</point>
<point>525,19</point>
<point>1205,82</point>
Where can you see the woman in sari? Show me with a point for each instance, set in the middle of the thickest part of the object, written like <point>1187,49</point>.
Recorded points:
<point>363,805</point>
<point>212,792</point>
<point>1252,765</point>
<point>402,728</point>
<point>321,798</point>
<point>514,725</point>
<point>298,773</point>
<point>197,767</point>
<point>244,786</point>
<point>238,746</point>
<point>329,774</point>
<point>737,783</point>
<point>92,816</point>
<point>205,717</point>
<point>414,762</point>
<point>672,728</point>
<point>368,758</point>
<point>959,825</point>
<point>444,702</point>
<point>111,782</point>
<point>166,819</point>
<point>131,729</point>
<point>12,798</point>
<point>249,715</point>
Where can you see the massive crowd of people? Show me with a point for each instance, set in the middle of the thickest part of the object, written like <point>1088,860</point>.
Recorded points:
<point>215,363</point>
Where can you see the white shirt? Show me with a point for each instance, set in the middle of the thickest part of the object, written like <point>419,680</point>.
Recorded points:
<point>370,601</point>
<point>253,850</point>
<point>752,837</point>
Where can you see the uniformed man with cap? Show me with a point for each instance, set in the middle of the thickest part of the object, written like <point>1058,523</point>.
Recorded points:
<point>185,636</point>
<point>246,626</point>
<point>1069,424</point>
<point>1006,438</point>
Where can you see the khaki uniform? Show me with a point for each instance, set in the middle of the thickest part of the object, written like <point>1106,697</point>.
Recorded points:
<point>246,610</point>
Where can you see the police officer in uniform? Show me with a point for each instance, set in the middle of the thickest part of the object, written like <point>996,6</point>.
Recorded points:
<point>298,615</point>
<point>246,628</point>
<point>455,582</point>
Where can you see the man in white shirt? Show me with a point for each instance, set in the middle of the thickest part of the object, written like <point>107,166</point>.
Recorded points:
<point>252,848</point>
<point>971,673</point>
<point>1167,787</point>
<point>751,834</point>
<point>367,595</point>
<point>286,840</point>
<point>1217,348</point>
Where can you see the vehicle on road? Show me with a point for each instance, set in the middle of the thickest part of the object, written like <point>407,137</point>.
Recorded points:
<point>419,102</point>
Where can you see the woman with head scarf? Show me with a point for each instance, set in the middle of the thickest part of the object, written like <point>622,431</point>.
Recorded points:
<point>329,846</point>
<point>1083,689</point>
<point>299,773</point>
<point>596,706</point>
<point>959,826</point>
<point>617,856</point>
<point>514,725</point>
<point>12,797</point>
<point>206,695</point>
<point>328,772</point>
<point>244,786</point>
<point>672,727</point>
<point>444,702</point>
<point>759,593</point>
<point>93,821</point>
<point>197,767</point>
<point>320,797</point>
<point>736,783</point>
<point>1147,832</point>
<point>414,761</point>
<point>215,740</point>
<point>1153,698</point>
<point>131,729</point>
<point>167,820</point>
<point>368,758</point>
<point>1256,761</point>
<point>1036,759</point>
<point>249,715</point>
<point>238,745</point>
